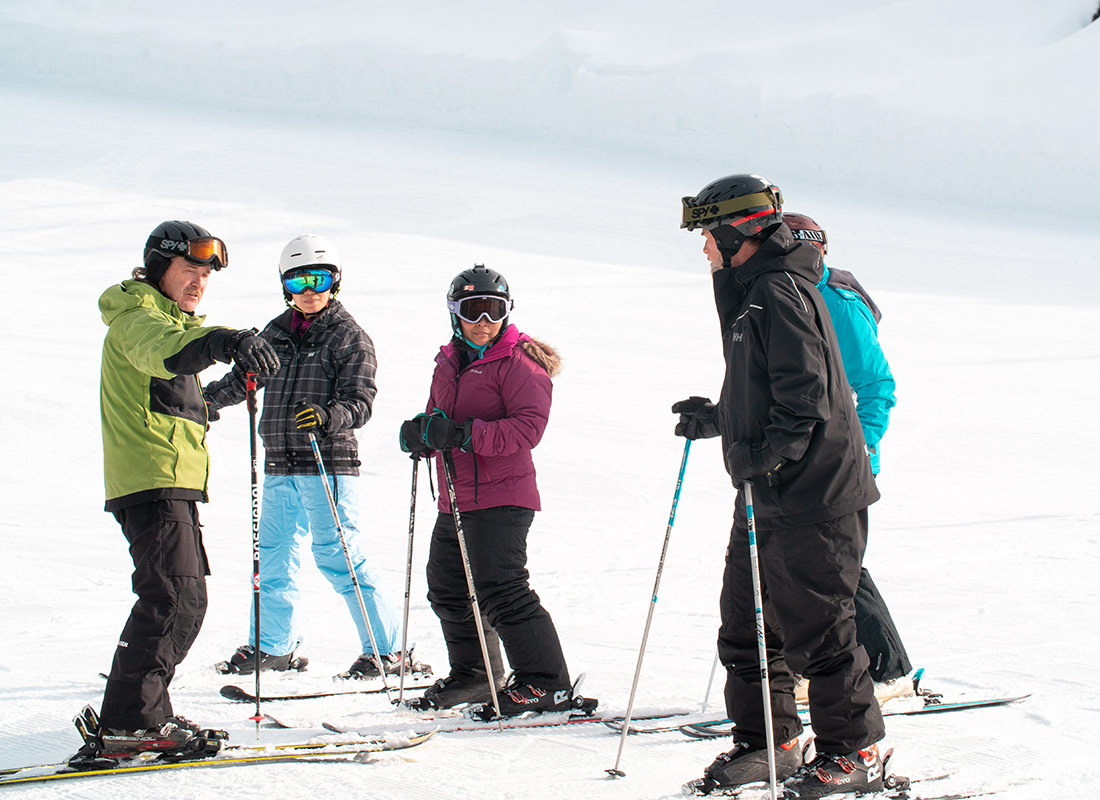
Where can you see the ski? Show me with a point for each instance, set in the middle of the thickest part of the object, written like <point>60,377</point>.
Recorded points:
<point>461,724</point>
<point>239,695</point>
<point>229,756</point>
<point>712,729</point>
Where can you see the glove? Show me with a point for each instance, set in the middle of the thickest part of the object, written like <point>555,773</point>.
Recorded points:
<point>251,353</point>
<point>747,461</point>
<point>440,432</point>
<point>309,417</point>
<point>212,414</point>
<point>697,418</point>
<point>410,437</point>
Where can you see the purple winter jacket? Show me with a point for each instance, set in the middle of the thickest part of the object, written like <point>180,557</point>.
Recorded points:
<point>508,394</point>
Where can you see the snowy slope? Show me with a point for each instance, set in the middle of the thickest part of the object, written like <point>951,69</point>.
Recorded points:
<point>443,138</point>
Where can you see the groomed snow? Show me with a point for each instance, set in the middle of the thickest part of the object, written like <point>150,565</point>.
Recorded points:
<point>949,152</point>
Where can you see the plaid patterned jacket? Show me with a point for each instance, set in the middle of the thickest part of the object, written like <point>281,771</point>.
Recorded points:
<point>331,364</point>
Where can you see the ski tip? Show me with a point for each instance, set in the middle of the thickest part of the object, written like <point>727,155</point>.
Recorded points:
<point>235,693</point>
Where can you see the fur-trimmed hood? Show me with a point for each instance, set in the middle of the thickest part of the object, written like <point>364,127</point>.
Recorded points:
<point>542,354</point>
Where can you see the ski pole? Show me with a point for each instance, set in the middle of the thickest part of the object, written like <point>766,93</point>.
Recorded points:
<point>347,557</point>
<point>758,600</point>
<point>710,683</point>
<point>250,390</point>
<point>408,586</point>
<point>615,772</point>
<point>448,470</point>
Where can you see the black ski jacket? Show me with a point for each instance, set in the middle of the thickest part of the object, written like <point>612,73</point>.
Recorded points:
<point>785,387</point>
<point>333,365</point>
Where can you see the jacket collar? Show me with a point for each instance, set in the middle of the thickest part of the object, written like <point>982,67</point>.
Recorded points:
<point>781,252</point>
<point>501,348</point>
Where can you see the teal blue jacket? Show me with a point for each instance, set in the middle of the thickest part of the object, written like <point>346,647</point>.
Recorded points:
<point>865,365</point>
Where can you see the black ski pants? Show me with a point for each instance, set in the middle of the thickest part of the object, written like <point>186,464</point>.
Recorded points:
<point>875,630</point>
<point>169,579</point>
<point>496,541</point>
<point>808,576</point>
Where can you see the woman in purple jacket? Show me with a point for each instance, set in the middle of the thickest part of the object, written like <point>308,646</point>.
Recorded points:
<point>489,404</point>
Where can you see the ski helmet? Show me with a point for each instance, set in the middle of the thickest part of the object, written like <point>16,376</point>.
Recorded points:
<point>733,209</point>
<point>806,229</point>
<point>181,238</point>
<point>478,281</point>
<point>310,252</point>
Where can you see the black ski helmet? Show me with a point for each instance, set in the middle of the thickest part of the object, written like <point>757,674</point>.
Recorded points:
<point>164,242</point>
<point>478,280</point>
<point>806,229</point>
<point>733,209</point>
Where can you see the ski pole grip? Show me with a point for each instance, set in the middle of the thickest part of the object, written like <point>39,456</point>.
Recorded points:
<point>250,387</point>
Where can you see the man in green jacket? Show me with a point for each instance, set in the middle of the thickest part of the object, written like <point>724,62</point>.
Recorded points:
<point>155,468</point>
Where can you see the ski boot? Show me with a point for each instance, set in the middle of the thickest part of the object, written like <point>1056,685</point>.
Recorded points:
<point>366,667</point>
<point>831,773</point>
<point>451,691</point>
<point>243,662</point>
<point>174,739</point>
<point>520,698</point>
<point>731,770</point>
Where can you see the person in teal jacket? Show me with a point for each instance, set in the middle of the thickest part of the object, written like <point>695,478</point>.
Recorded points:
<point>155,468</point>
<point>855,319</point>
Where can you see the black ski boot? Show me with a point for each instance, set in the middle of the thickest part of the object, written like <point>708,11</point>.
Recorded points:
<point>520,698</point>
<point>830,773</point>
<point>743,764</point>
<point>366,668</point>
<point>451,691</point>
<point>174,738</point>
<point>243,662</point>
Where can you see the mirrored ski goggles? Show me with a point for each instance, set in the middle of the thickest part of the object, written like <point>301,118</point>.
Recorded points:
<point>472,309</point>
<point>207,250</point>
<point>319,280</point>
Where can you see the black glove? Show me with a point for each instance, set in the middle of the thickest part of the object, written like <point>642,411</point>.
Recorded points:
<point>410,437</point>
<point>251,353</point>
<point>212,414</point>
<point>747,461</point>
<point>697,418</point>
<point>440,432</point>
<point>309,417</point>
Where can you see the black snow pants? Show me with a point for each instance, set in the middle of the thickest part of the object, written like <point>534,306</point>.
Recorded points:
<point>809,576</point>
<point>496,541</point>
<point>875,630</point>
<point>170,569</point>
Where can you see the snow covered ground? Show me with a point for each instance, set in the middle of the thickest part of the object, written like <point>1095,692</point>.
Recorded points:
<point>950,154</point>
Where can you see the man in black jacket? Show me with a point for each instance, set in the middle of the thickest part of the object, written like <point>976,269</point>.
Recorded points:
<point>788,427</point>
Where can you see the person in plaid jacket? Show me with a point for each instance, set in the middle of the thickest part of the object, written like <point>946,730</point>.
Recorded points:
<point>325,386</point>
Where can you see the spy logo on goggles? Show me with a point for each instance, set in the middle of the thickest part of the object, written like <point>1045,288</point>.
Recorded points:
<point>319,280</point>
<point>472,309</point>
<point>207,250</point>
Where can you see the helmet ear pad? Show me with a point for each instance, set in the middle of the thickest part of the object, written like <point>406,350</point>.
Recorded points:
<point>729,240</point>
<point>156,264</point>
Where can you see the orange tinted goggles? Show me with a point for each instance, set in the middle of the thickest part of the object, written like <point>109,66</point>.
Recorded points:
<point>207,250</point>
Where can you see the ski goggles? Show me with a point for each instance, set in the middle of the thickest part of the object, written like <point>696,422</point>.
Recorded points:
<point>207,250</point>
<point>319,280</point>
<point>708,215</point>
<point>472,309</point>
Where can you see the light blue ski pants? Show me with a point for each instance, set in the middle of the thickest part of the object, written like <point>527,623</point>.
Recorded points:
<point>292,507</point>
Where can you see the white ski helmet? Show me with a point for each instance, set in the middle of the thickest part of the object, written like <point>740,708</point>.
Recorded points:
<point>308,250</point>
